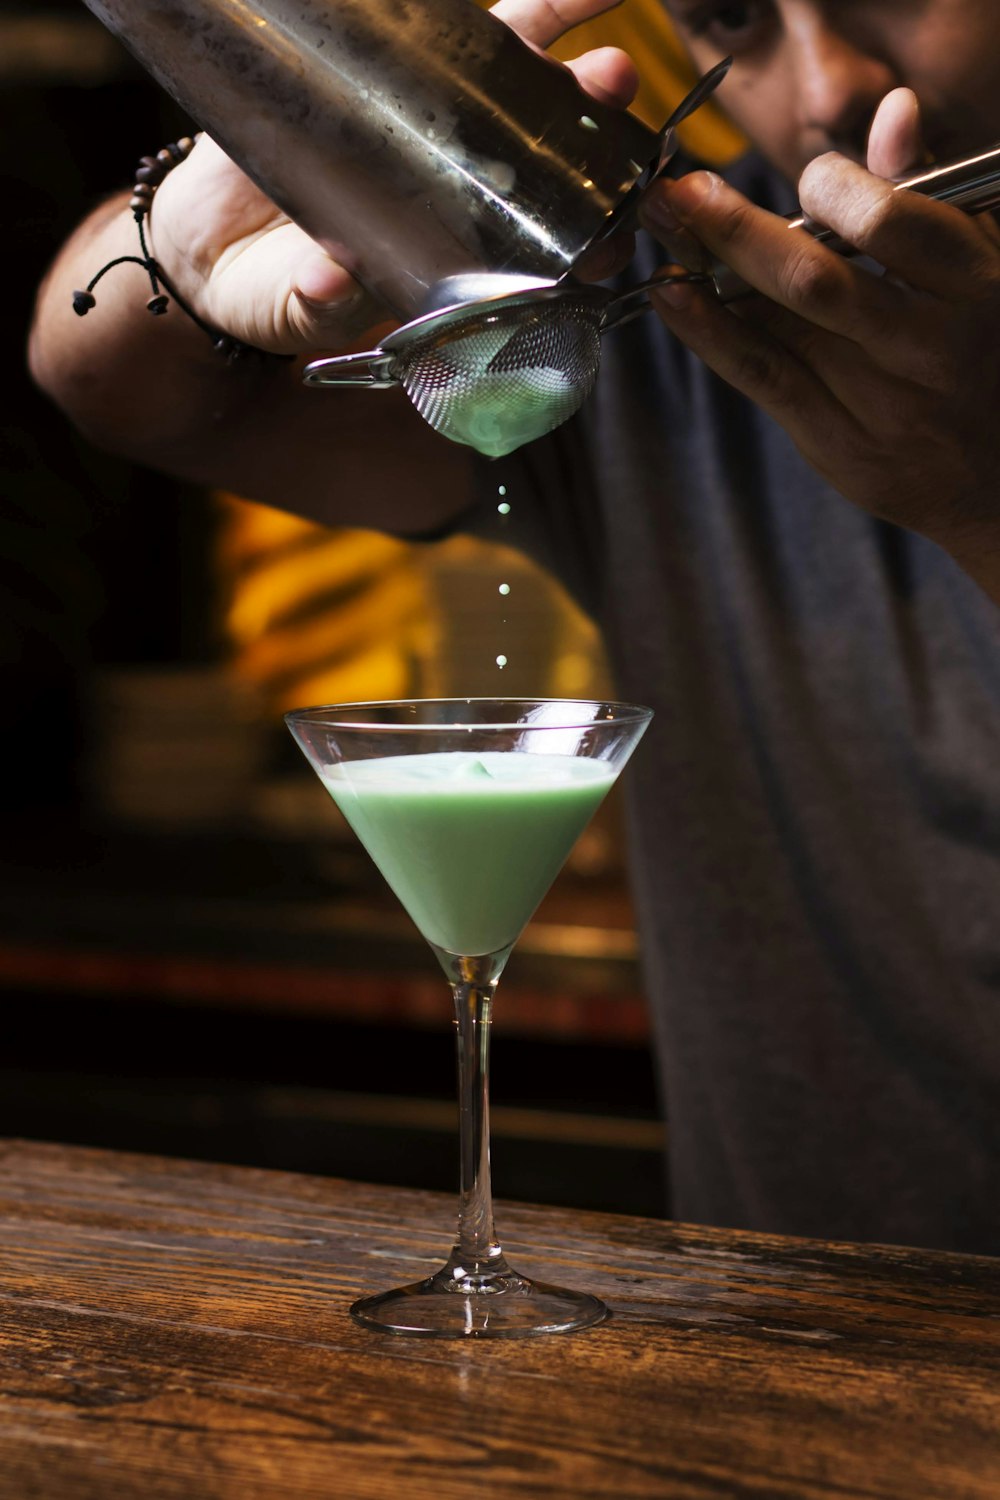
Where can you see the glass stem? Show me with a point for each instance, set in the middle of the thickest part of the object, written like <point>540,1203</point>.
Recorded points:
<point>477,1252</point>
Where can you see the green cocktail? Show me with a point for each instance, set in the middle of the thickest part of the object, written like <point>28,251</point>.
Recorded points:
<point>451,832</point>
<point>469,806</point>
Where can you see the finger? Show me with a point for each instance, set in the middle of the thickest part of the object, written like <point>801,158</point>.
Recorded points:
<point>605,258</point>
<point>927,244</point>
<point>787,265</point>
<point>833,360</point>
<point>608,73</point>
<point>683,248</point>
<point>895,141</point>
<point>545,21</point>
<point>932,346</point>
<point>750,360</point>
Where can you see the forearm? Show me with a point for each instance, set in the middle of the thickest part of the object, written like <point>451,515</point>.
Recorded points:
<point>131,382</point>
<point>155,390</point>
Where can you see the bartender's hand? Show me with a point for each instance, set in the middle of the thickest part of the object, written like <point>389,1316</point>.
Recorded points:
<point>889,385</point>
<point>251,273</point>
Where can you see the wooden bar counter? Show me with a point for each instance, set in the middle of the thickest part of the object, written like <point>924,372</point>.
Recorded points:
<point>170,1329</point>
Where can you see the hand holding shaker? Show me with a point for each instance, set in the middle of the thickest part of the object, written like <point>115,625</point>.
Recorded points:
<point>457,173</point>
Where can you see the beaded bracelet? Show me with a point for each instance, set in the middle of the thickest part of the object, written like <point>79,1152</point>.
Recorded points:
<point>149,175</point>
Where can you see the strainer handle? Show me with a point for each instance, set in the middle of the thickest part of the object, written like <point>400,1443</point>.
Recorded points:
<point>372,368</point>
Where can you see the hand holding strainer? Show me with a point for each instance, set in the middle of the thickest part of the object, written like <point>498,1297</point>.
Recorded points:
<point>495,371</point>
<point>495,375</point>
<point>455,172</point>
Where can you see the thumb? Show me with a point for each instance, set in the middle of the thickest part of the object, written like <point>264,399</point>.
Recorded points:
<point>327,306</point>
<point>896,141</point>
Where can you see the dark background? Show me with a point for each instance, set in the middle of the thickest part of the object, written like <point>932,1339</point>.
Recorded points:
<point>103,562</point>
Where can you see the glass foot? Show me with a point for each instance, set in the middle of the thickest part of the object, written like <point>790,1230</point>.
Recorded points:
<point>502,1306</point>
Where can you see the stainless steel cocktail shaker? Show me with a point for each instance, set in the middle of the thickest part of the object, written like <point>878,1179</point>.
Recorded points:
<point>423,145</point>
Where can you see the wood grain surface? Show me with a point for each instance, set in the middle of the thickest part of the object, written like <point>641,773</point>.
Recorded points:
<point>170,1329</point>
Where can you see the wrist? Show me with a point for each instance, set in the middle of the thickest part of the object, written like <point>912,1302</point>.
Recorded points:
<point>150,174</point>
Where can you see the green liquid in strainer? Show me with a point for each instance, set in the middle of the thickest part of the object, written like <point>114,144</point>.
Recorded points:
<point>509,409</point>
<point>507,381</point>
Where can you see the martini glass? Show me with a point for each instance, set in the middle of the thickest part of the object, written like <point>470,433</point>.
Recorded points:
<point>469,806</point>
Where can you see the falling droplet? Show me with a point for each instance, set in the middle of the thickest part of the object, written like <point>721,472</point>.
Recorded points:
<point>588,123</point>
<point>504,508</point>
<point>501,662</point>
<point>504,588</point>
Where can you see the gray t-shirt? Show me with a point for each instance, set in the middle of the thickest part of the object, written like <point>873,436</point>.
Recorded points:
<point>815,812</point>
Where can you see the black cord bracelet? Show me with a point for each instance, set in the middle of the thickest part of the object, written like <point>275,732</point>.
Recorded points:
<point>149,175</point>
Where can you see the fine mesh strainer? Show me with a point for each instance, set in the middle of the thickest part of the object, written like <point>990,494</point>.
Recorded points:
<point>498,372</point>
<point>493,376</point>
<point>501,359</point>
<point>509,376</point>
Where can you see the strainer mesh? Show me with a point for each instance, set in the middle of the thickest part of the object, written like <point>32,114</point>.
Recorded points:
<point>496,380</point>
